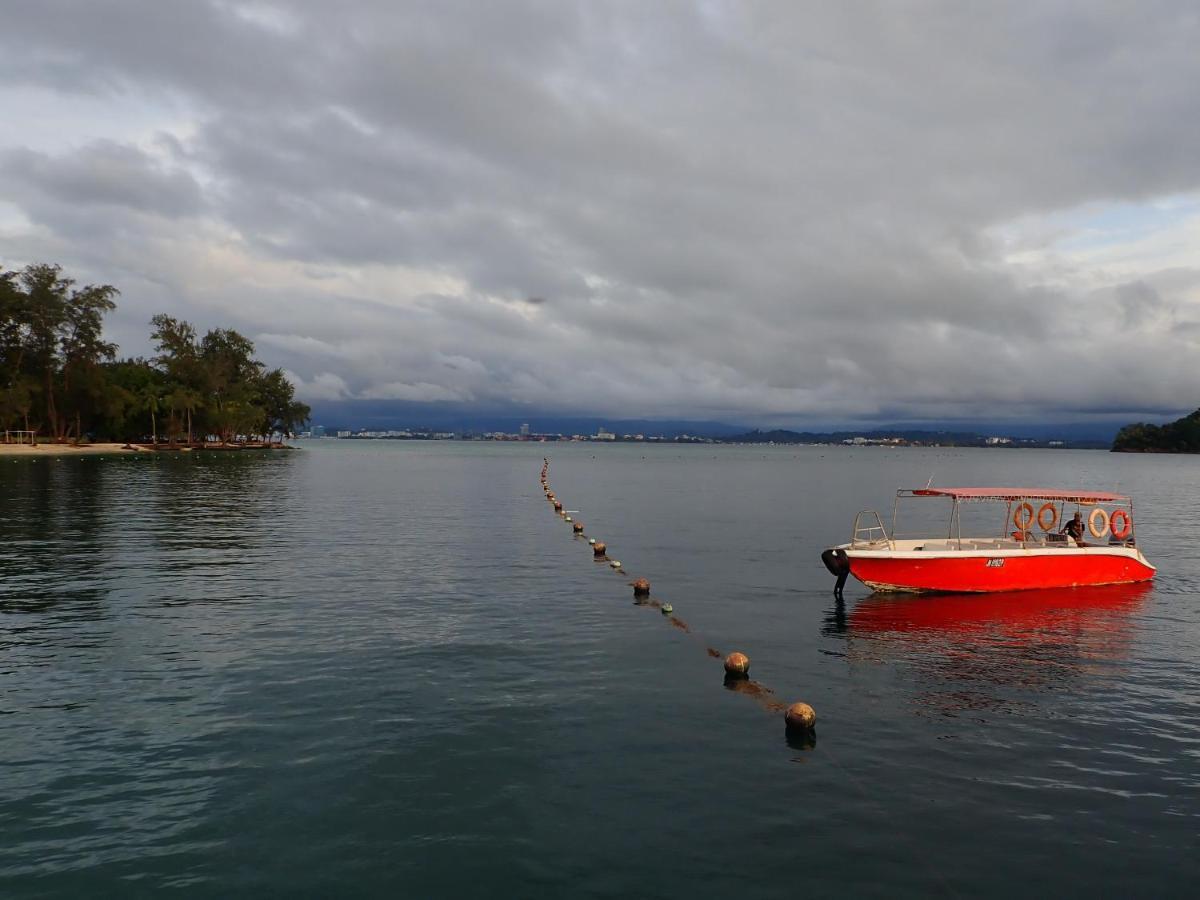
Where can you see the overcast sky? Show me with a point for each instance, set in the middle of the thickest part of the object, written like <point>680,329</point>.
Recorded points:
<point>778,213</point>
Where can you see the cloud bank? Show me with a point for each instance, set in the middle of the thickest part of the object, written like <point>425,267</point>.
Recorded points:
<point>782,213</point>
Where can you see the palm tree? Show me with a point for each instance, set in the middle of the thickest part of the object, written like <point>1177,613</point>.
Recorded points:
<point>150,403</point>
<point>185,400</point>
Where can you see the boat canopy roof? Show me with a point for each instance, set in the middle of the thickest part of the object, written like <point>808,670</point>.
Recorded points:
<point>1011,493</point>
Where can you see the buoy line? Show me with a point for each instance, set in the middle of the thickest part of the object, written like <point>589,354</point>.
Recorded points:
<point>799,718</point>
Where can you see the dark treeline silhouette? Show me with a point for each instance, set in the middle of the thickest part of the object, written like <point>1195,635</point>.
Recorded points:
<point>1180,436</point>
<point>62,381</point>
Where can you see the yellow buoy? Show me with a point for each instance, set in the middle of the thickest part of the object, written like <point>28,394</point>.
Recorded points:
<point>737,664</point>
<point>616,564</point>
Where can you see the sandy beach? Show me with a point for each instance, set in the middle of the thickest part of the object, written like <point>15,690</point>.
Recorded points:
<point>52,449</point>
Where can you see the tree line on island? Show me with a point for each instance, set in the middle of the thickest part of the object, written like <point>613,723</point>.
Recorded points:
<point>1180,436</point>
<point>61,381</point>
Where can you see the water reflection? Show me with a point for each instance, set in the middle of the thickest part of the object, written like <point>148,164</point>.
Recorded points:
<point>973,652</point>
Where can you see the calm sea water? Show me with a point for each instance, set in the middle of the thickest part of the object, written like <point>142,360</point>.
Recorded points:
<point>387,669</point>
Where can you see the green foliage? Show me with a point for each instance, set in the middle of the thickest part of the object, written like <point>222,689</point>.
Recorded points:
<point>52,353</point>
<point>58,375</point>
<point>1180,436</point>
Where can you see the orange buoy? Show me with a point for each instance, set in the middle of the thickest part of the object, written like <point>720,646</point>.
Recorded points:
<point>1023,517</point>
<point>577,527</point>
<point>737,664</point>
<point>800,717</point>
<point>557,506</point>
<point>1121,524</point>
<point>641,588</point>
<point>599,547</point>
<point>1044,523</point>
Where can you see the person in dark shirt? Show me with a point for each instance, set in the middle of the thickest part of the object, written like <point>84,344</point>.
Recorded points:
<point>1074,528</point>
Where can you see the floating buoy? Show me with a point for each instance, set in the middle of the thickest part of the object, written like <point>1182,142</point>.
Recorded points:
<point>558,506</point>
<point>577,527</point>
<point>800,717</point>
<point>737,664</point>
<point>616,564</point>
<point>598,547</point>
<point>591,541</point>
<point>641,588</point>
<point>568,518</point>
<point>667,609</point>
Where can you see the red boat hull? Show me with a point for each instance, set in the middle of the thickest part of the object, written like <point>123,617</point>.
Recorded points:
<point>981,573</point>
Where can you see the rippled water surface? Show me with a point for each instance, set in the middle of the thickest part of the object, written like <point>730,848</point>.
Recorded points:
<point>387,669</point>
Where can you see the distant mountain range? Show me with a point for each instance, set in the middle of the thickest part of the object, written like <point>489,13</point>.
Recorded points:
<point>911,436</point>
<point>388,414</point>
<point>394,414</point>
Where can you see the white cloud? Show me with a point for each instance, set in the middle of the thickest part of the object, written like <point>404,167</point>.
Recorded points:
<point>421,392</point>
<point>325,386</point>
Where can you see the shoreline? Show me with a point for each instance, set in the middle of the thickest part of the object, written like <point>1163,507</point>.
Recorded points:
<point>54,449</point>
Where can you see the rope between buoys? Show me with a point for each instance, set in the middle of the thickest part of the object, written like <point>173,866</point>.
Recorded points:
<point>737,681</point>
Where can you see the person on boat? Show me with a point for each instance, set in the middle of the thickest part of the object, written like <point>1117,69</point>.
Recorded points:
<point>1074,528</point>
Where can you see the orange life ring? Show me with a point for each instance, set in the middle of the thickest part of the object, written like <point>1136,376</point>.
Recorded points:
<point>1041,517</point>
<point>1122,530</point>
<point>1023,517</point>
<point>1098,531</point>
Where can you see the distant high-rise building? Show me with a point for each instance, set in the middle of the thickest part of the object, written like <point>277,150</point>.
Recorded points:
<point>318,431</point>
<point>525,430</point>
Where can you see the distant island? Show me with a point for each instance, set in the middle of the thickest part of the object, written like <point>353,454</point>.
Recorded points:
<point>1180,436</point>
<point>909,438</point>
<point>878,438</point>
<point>62,383</point>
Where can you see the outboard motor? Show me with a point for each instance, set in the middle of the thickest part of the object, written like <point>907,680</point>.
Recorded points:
<point>838,564</point>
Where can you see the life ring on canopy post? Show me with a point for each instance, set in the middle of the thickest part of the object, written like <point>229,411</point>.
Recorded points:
<point>1121,524</point>
<point>1041,516</point>
<point>1098,530</point>
<point>1023,517</point>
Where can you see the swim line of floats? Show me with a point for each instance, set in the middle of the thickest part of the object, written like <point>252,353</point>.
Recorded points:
<point>799,718</point>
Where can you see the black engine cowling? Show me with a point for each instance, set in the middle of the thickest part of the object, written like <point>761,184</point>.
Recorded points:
<point>836,561</point>
<point>838,564</point>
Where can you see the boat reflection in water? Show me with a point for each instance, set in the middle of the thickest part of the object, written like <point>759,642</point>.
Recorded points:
<point>988,651</point>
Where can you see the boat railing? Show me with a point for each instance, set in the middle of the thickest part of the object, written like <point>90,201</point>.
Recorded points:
<point>868,534</point>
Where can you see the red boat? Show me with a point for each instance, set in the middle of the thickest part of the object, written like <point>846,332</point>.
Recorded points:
<point>1027,550</point>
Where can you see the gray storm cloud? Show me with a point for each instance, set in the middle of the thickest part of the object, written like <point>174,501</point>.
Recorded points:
<point>771,212</point>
